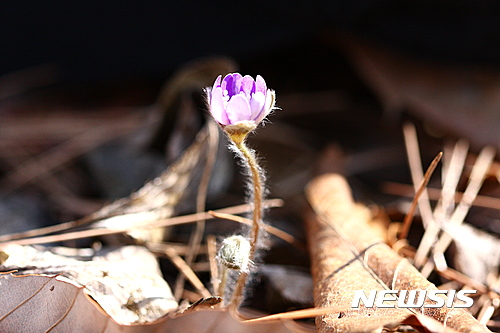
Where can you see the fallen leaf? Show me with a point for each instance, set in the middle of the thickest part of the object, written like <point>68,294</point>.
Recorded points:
<point>37,303</point>
<point>125,282</point>
<point>349,254</point>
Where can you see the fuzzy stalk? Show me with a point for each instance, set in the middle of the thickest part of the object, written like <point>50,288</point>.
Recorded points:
<point>257,186</point>
<point>223,280</point>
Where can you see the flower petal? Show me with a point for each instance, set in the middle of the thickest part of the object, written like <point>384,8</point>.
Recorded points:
<point>217,82</point>
<point>216,105</point>
<point>232,83</point>
<point>257,103</point>
<point>260,85</point>
<point>248,85</point>
<point>270,100</point>
<point>238,109</point>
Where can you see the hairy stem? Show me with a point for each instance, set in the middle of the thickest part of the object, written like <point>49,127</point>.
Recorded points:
<point>257,187</point>
<point>223,280</point>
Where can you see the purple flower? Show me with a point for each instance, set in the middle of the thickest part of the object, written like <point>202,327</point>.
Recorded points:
<point>237,98</point>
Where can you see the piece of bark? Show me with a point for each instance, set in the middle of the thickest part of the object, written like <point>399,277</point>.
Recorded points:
<point>349,253</point>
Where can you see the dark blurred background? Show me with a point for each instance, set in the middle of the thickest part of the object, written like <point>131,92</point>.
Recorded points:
<point>111,40</point>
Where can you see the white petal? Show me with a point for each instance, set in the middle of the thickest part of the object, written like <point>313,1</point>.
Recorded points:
<point>217,108</point>
<point>217,82</point>
<point>238,109</point>
<point>270,100</point>
<point>260,84</point>
<point>257,103</point>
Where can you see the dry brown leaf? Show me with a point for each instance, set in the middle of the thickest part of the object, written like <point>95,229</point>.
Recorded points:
<point>349,254</point>
<point>37,303</point>
<point>126,282</point>
<point>40,304</point>
<point>427,324</point>
<point>338,271</point>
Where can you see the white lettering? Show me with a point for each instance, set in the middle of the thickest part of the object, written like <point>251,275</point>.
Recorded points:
<point>451,298</point>
<point>386,296</point>
<point>433,296</point>
<point>468,301</point>
<point>360,295</point>
<point>409,299</point>
<point>410,303</point>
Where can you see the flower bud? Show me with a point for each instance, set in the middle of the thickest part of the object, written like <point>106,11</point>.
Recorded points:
<point>234,253</point>
<point>240,101</point>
